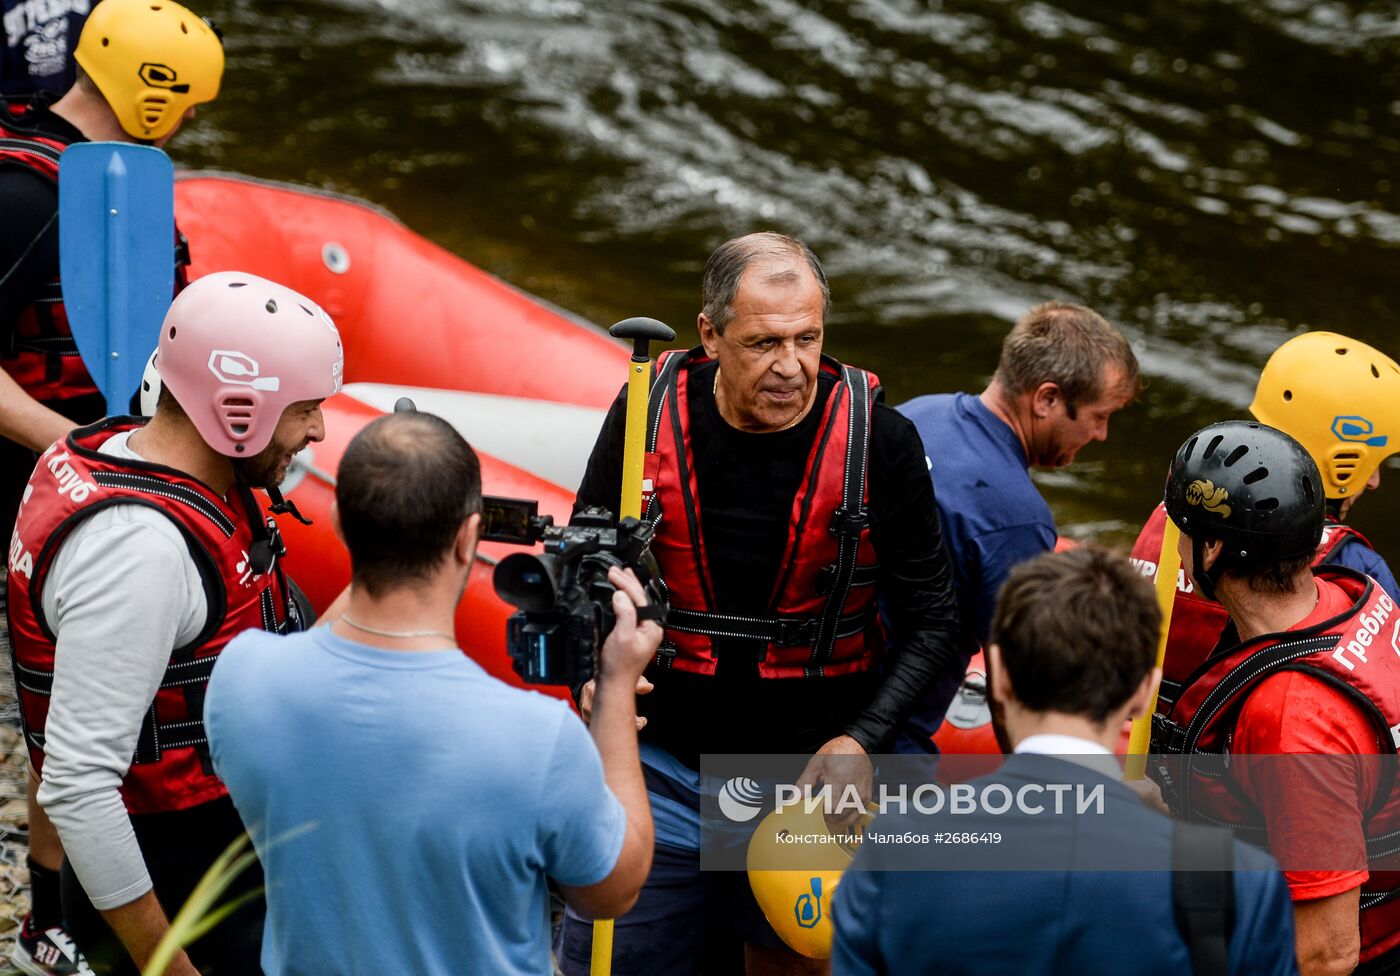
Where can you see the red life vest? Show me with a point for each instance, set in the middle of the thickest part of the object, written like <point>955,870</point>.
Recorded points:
<point>823,618</point>
<point>1351,652</point>
<point>235,548</point>
<point>1197,622</point>
<point>42,356</point>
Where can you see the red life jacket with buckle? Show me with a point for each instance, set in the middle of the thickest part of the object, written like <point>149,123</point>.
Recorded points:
<point>1197,622</point>
<point>822,618</point>
<point>1352,652</point>
<point>235,547</point>
<point>42,356</point>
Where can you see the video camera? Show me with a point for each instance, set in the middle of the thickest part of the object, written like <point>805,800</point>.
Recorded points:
<point>564,596</point>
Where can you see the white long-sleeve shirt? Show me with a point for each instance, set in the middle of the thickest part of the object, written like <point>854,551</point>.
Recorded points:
<point>122,593</point>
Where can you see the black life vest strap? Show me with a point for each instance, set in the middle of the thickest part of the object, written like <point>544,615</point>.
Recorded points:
<point>191,676</point>
<point>664,397</point>
<point>1167,693</point>
<point>1203,894</point>
<point>164,488</point>
<point>849,521</point>
<point>663,387</point>
<point>158,737</point>
<point>862,576</point>
<point>29,147</point>
<point>1374,898</point>
<point>51,345</point>
<point>784,631</point>
<point>1249,672</point>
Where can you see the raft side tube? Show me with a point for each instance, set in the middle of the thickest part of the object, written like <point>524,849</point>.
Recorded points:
<point>317,560</point>
<point>409,311</point>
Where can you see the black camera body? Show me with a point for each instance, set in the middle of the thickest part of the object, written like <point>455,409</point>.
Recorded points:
<point>563,593</point>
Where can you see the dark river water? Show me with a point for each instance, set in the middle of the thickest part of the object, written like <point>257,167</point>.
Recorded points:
<point>1214,177</point>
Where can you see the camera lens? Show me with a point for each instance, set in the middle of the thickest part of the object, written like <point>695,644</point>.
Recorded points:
<point>526,580</point>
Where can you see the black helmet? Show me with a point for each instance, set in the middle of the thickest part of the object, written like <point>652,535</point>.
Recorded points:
<point>1252,487</point>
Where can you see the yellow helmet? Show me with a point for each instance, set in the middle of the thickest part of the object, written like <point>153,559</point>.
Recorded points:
<point>793,881</point>
<point>1337,397</point>
<point>152,60</point>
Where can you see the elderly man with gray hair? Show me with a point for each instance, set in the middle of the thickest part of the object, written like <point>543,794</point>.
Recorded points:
<point>788,500</point>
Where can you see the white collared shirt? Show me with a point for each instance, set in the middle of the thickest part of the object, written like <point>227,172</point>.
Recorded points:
<point>1085,752</point>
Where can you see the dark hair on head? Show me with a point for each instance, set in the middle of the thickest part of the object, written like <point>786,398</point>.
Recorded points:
<point>1279,577</point>
<point>166,402</point>
<point>1068,345</point>
<point>725,270</point>
<point>406,484</point>
<point>84,80</point>
<point>1077,632</point>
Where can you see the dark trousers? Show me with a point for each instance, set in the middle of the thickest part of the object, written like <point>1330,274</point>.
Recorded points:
<point>178,847</point>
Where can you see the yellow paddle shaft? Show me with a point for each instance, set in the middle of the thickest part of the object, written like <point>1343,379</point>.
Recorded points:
<point>1168,567</point>
<point>601,964</point>
<point>634,439</point>
<point>633,461</point>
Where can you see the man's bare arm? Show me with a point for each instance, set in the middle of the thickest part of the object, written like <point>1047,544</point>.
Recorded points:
<point>141,924</point>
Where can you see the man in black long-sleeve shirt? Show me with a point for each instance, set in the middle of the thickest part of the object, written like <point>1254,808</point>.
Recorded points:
<point>773,546</point>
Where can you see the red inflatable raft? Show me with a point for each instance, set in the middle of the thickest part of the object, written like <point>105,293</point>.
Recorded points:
<point>967,726</point>
<point>526,384</point>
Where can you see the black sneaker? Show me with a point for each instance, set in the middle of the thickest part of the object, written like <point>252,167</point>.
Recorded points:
<point>51,952</point>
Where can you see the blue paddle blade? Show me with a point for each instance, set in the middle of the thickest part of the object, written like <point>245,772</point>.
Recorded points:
<point>116,242</point>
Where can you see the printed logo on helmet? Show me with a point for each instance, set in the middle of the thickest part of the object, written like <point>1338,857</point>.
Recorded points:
<point>1204,493</point>
<point>237,369</point>
<point>162,76</point>
<point>1357,430</point>
<point>809,906</point>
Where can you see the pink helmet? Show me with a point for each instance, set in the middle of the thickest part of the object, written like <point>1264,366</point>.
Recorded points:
<point>236,350</point>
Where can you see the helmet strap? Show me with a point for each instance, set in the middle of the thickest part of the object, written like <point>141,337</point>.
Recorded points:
<point>281,506</point>
<point>266,546</point>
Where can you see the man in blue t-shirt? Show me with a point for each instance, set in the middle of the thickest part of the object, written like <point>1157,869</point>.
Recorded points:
<point>1064,370</point>
<point>407,807</point>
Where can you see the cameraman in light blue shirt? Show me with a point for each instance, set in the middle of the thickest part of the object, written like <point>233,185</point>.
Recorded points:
<point>406,806</point>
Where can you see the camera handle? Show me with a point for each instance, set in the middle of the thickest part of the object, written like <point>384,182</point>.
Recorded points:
<point>642,332</point>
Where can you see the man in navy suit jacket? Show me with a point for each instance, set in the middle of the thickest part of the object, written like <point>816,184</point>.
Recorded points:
<point>1071,657</point>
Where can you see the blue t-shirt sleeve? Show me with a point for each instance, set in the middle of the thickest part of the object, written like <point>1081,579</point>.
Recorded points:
<point>997,553</point>
<point>581,823</point>
<point>854,915</point>
<point>1262,941</point>
<point>1363,559</point>
<point>225,708</point>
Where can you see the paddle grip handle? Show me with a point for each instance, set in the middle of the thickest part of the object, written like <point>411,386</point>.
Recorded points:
<point>642,332</point>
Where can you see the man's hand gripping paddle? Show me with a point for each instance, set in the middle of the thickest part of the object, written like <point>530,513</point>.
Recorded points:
<point>116,220</point>
<point>642,332</point>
